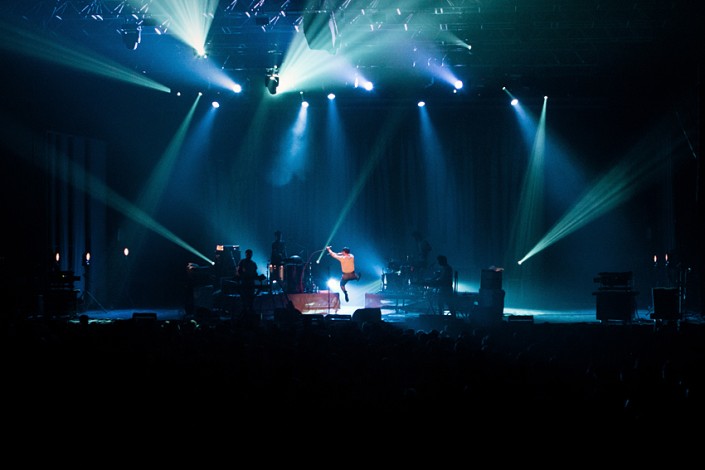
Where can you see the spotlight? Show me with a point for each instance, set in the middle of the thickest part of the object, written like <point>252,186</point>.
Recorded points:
<point>131,35</point>
<point>271,80</point>
<point>162,28</point>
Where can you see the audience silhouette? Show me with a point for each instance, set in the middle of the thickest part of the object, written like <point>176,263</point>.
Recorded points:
<point>626,375</point>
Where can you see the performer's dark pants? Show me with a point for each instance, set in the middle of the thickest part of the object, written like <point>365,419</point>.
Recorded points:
<point>347,277</point>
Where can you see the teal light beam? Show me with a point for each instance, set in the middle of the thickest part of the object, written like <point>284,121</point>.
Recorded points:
<point>390,127</point>
<point>189,20</point>
<point>616,187</point>
<point>531,197</point>
<point>33,45</point>
<point>94,186</point>
<point>160,176</point>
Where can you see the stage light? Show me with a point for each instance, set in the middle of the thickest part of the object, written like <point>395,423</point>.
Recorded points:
<point>331,96</point>
<point>421,104</point>
<point>271,80</point>
<point>162,28</point>
<point>215,104</point>
<point>131,35</point>
<point>237,88</point>
<point>458,84</point>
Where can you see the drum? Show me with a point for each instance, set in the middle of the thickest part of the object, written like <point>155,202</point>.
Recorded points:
<point>276,273</point>
<point>393,265</point>
<point>293,274</point>
<point>393,280</point>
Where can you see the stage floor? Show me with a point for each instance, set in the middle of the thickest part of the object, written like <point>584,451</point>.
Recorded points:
<point>411,311</point>
<point>416,320</point>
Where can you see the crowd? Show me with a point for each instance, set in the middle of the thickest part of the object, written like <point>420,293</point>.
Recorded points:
<point>523,374</point>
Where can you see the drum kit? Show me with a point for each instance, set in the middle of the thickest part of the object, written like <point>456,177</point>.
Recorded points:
<point>397,277</point>
<point>289,275</point>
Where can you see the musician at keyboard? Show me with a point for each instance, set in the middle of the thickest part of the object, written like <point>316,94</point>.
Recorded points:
<point>442,281</point>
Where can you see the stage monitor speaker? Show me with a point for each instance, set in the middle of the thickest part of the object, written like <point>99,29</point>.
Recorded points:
<point>363,315</point>
<point>144,320</point>
<point>665,303</point>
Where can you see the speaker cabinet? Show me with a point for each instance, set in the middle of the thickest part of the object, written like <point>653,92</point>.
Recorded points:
<point>491,279</point>
<point>615,305</point>
<point>490,307</point>
<point>492,298</point>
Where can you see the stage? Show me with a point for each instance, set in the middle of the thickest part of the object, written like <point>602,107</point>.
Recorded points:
<point>266,301</point>
<point>319,302</point>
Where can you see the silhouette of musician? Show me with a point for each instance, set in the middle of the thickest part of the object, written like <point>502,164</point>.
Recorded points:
<point>247,275</point>
<point>443,282</point>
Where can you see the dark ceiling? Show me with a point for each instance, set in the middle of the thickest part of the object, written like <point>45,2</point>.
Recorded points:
<point>578,46</point>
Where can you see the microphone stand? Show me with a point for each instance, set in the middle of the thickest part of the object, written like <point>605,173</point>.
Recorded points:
<point>308,266</point>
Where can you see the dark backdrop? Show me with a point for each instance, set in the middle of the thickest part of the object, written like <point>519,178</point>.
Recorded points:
<point>365,175</point>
